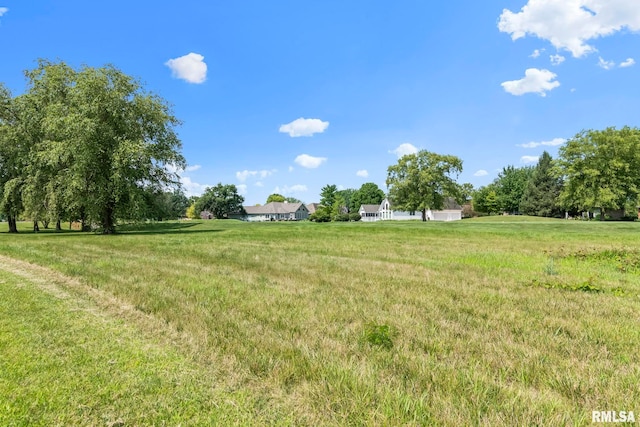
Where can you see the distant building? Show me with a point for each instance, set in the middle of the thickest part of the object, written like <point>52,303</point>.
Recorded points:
<point>384,212</point>
<point>274,211</point>
<point>313,207</point>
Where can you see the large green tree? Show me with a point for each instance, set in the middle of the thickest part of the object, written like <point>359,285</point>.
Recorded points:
<point>328,195</point>
<point>368,194</point>
<point>510,186</point>
<point>275,197</point>
<point>348,195</point>
<point>601,169</point>
<point>221,200</point>
<point>541,197</point>
<point>90,145</point>
<point>423,181</point>
<point>485,199</point>
<point>14,152</point>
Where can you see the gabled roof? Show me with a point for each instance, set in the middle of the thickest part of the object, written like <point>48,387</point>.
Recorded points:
<point>312,207</point>
<point>274,208</point>
<point>369,208</point>
<point>449,204</point>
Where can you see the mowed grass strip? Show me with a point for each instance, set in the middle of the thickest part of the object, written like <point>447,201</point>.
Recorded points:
<point>63,362</point>
<point>485,322</point>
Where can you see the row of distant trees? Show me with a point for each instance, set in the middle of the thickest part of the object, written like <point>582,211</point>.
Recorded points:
<point>91,145</point>
<point>595,170</point>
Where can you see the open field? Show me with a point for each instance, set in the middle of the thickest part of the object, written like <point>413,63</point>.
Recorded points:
<point>493,321</point>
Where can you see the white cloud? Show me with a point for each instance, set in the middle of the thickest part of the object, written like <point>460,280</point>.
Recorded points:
<point>536,53</point>
<point>3,10</point>
<point>534,81</point>
<point>298,188</point>
<point>192,188</point>
<point>242,189</point>
<point>529,159</point>
<point>404,149</point>
<point>190,68</point>
<point>309,162</point>
<point>362,173</point>
<point>556,59</point>
<point>304,127</point>
<point>481,172</point>
<point>259,184</point>
<point>570,24</point>
<point>628,63</point>
<point>607,65</point>
<point>553,143</point>
<point>291,168</point>
<point>243,175</point>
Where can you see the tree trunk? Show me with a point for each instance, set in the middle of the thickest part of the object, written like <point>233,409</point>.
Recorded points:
<point>58,225</point>
<point>13,225</point>
<point>108,220</point>
<point>36,227</point>
<point>424,214</point>
<point>83,221</point>
<point>45,223</point>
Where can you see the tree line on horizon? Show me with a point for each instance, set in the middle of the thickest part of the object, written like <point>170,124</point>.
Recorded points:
<point>596,170</point>
<point>91,145</point>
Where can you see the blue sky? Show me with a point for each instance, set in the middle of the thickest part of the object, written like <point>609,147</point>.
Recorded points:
<point>288,96</point>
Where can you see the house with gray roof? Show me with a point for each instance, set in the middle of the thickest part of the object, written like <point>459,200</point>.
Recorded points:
<point>313,207</point>
<point>276,211</point>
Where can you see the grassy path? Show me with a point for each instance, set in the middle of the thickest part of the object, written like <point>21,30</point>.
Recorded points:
<point>73,355</point>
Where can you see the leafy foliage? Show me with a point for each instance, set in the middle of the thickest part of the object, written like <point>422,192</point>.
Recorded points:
<point>378,335</point>
<point>86,144</point>
<point>510,187</point>
<point>220,200</point>
<point>600,169</point>
<point>328,194</point>
<point>368,194</point>
<point>322,214</point>
<point>423,181</point>
<point>275,197</point>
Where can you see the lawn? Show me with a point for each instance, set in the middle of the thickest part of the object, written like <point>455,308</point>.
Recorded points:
<point>492,321</point>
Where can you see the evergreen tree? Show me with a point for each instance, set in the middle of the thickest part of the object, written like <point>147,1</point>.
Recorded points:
<point>541,195</point>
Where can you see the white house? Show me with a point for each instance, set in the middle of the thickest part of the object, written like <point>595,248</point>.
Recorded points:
<point>383,212</point>
<point>276,211</point>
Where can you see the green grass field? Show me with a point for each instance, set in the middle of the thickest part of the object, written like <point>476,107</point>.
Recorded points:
<point>492,321</point>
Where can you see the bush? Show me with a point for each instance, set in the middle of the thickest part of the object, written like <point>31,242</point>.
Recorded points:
<point>354,216</point>
<point>343,217</point>
<point>321,215</point>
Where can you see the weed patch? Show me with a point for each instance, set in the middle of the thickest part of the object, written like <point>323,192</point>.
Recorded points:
<point>378,335</point>
<point>625,260</point>
<point>587,286</point>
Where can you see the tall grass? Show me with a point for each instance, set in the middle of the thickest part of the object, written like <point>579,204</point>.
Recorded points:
<point>457,323</point>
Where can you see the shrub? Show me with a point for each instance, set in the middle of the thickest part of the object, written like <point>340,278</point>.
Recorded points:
<point>321,215</point>
<point>354,216</point>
